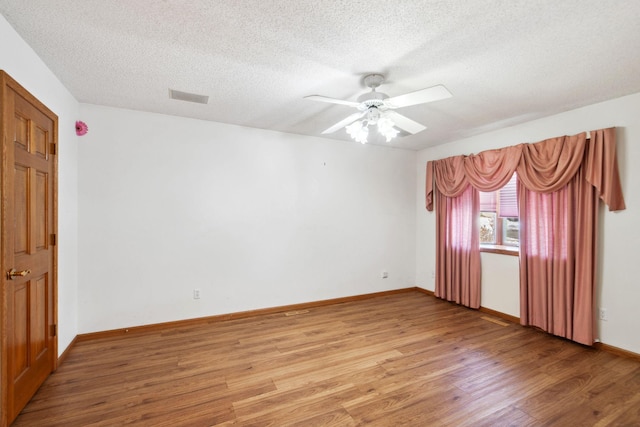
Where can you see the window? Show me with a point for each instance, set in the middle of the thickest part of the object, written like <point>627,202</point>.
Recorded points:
<point>499,224</point>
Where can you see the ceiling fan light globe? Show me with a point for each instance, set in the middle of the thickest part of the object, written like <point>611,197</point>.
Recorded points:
<point>390,134</point>
<point>362,135</point>
<point>358,131</point>
<point>385,124</point>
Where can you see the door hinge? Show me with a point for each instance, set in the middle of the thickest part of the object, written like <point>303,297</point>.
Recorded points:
<point>54,240</point>
<point>53,148</point>
<point>54,330</point>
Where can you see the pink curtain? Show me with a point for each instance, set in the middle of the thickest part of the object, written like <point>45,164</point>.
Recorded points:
<point>458,257</point>
<point>560,182</point>
<point>558,230</point>
<point>458,247</point>
<point>547,260</point>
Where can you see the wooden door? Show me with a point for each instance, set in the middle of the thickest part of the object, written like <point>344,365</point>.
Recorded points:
<point>29,169</point>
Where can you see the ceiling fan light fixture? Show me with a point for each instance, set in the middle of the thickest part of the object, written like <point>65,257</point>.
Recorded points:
<point>359,131</point>
<point>386,128</point>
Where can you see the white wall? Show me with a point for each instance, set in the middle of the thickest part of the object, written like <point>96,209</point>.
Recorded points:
<point>252,218</point>
<point>21,63</point>
<point>499,290</point>
<point>617,288</point>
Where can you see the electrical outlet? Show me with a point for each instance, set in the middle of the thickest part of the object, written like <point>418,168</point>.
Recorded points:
<point>384,275</point>
<point>603,314</point>
<point>196,294</point>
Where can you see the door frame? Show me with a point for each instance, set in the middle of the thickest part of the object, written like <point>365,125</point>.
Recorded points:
<point>7,83</point>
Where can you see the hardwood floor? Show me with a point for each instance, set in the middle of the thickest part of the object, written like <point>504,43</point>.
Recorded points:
<point>404,359</point>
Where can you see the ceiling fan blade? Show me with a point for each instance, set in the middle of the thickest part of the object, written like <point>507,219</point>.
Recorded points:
<point>421,96</point>
<point>405,123</point>
<point>332,100</point>
<point>342,123</point>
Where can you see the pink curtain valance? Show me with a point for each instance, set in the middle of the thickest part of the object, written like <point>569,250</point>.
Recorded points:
<point>450,175</point>
<point>486,171</point>
<point>601,168</point>
<point>491,170</point>
<point>547,166</point>
<point>543,167</point>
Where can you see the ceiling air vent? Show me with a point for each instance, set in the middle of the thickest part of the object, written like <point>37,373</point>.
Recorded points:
<point>189,97</point>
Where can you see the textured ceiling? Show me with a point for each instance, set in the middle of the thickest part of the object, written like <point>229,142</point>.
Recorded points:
<point>505,62</point>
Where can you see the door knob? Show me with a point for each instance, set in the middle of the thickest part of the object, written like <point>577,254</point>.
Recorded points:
<point>11,274</point>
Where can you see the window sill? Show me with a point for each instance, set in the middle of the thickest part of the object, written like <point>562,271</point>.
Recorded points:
<point>500,249</point>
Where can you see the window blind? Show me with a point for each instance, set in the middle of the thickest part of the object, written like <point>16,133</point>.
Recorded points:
<point>488,201</point>
<point>508,196</point>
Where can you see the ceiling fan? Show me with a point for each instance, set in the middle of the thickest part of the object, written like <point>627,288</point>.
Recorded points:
<point>377,109</point>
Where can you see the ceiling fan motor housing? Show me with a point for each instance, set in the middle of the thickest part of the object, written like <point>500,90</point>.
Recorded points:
<point>372,100</point>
